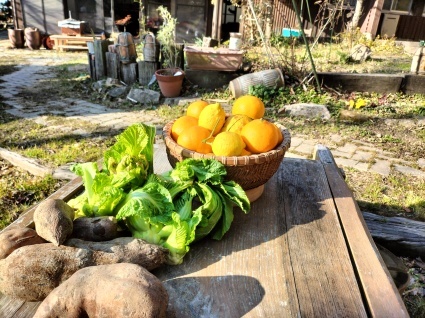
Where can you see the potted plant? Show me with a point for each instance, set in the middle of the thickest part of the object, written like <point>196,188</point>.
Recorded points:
<point>170,77</point>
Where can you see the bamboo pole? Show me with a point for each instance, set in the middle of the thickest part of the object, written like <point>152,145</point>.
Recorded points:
<point>307,46</point>
<point>263,38</point>
<point>112,15</point>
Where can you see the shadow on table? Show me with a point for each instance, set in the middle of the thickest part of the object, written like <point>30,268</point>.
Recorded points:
<point>243,292</point>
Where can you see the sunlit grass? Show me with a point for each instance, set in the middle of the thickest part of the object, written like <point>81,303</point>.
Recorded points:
<point>396,194</point>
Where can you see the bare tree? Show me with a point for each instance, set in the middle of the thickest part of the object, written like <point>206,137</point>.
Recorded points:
<point>357,14</point>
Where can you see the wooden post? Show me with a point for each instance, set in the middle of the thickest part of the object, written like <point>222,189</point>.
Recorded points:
<point>180,59</point>
<point>129,73</point>
<point>146,71</point>
<point>92,66</point>
<point>112,65</point>
<point>100,48</point>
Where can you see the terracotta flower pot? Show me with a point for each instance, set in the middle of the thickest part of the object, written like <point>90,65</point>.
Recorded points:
<point>16,38</point>
<point>33,38</point>
<point>170,81</point>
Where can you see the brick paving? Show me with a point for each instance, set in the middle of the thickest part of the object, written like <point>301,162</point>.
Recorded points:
<point>354,154</point>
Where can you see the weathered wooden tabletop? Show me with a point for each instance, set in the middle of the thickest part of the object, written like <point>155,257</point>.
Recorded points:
<point>302,251</point>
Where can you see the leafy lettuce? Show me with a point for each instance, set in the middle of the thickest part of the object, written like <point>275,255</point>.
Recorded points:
<point>173,209</point>
<point>126,165</point>
<point>164,211</point>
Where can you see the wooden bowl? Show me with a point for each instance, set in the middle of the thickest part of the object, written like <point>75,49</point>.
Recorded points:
<point>250,172</point>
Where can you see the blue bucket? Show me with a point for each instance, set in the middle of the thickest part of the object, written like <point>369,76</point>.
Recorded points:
<point>291,33</point>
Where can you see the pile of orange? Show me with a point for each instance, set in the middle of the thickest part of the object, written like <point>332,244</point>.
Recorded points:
<point>205,128</point>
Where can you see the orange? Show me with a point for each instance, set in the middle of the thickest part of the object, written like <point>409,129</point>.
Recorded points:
<point>195,108</point>
<point>235,123</point>
<point>227,143</point>
<point>259,136</point>
<point>279,135</point>
<point>181,124</point>
<point>212,117</point>
<point>250,106</point>
<point>194,138</point>
<point>245,152</point>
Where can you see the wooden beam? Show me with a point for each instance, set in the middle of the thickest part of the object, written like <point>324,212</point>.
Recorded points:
<point>379,290</point>
<point>129,73</point>
<point>112,65</point>
<point>100,49</point>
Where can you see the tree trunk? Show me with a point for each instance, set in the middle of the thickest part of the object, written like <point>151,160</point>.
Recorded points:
<point>357,14</point>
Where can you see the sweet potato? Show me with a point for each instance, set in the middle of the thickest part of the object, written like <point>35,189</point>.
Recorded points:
<point>95,229</point>
<point>53,220</point>
<point>16,237</point>
<point>118,290</point>
<point>31,272</point>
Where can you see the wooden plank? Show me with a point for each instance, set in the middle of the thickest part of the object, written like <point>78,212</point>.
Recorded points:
<point>400,235</point>
<point>146,71</point>
<point>9,306</point>
<point>65,193</point>
<point>74,47</point>
<point>414,84</point>
<point>28,164</point>
<point>27,309</point>
<point>112,65</point>
<point>92,67</point>
<point>100,49</point>
<point>325,280</point>
<point>379,83</point>
<point>379,290</point>
<point>128,73</point>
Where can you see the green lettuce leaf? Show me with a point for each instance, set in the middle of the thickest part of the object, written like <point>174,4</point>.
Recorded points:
<point>131,157</point>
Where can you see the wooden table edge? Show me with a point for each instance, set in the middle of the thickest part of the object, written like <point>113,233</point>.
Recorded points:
<point>379,291</point>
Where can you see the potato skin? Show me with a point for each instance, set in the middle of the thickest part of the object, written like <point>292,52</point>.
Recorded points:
<point>117,290</point>
<point>15,237</point>
<point>31,272</point>
<point>53,219</point>
<point>95,229</point>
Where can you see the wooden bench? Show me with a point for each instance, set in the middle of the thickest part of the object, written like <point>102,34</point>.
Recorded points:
<point>304,250</point>
<point>66,42</point>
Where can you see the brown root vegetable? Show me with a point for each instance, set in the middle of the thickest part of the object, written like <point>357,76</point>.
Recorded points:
<point>16,237</point>
<point>53,219</point>
<point>31,272</point>
<point>126,250</point>
<point>103,228</point>
<point>118,290</point>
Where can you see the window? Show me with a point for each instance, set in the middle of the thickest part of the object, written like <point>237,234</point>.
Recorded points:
<point>351,3</point>
<point>397,5</point>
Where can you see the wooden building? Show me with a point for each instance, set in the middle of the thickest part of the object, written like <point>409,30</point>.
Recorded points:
<point>404,20</point>
<point>197,18</point>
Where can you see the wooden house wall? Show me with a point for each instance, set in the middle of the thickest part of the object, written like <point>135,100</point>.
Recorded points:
<point>42,14</point>
<point>18,15</point>
<point>411,28</point>
<point>284,16</point>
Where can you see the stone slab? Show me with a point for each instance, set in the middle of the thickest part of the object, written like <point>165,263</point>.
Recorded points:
<point>414,84</point>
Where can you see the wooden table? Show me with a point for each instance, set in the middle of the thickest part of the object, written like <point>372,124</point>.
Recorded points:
<point>303,251</point>
<point>77,42</point>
